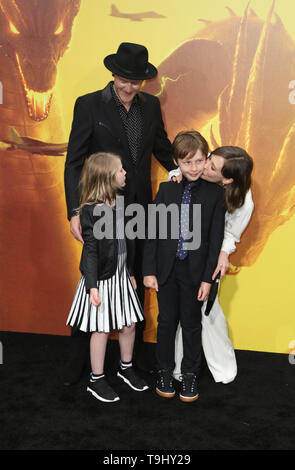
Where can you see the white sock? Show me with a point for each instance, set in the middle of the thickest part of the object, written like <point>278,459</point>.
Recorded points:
<point>125,365</point>
<point>95,377</point>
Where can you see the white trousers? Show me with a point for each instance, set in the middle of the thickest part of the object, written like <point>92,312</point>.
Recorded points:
<point>217,347</point>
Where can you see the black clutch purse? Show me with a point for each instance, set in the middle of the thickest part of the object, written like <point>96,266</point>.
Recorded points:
<point>212,294</point>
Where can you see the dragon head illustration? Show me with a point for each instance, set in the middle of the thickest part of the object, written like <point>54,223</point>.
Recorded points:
<point>35,34</point>
<point>230,81</point>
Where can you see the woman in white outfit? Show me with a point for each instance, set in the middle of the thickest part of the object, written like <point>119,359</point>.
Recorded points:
<point>231,167</point>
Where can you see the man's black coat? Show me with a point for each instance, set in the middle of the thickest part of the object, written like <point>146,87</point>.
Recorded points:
<point>97,127</point>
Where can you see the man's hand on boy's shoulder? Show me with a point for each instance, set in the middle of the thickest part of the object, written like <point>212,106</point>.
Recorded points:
<point>204,290</point>
<point>151,282</point>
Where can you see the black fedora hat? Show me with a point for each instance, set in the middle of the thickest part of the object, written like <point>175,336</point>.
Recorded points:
<point>131,61</point>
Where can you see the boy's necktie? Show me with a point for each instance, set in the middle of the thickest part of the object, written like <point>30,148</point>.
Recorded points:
<point>184,220</point>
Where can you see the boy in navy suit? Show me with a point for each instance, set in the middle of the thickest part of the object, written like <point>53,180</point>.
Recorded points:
<point>178,268</point>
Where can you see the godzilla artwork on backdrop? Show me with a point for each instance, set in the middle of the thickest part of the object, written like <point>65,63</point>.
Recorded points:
<point>231,81</point>
<point>37,252</point>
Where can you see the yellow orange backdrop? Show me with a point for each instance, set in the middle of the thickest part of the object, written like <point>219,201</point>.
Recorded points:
<point>258,300</point>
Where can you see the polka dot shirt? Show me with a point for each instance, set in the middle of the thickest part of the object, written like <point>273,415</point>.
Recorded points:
<point>133,123</point>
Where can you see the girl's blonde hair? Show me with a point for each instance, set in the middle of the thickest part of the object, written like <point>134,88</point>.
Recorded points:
<point>98,179</point>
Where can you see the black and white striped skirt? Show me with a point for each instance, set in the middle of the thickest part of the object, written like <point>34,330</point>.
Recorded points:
<point>119,305</point>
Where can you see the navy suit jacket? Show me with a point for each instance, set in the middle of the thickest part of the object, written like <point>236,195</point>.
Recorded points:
<point>159,254</point>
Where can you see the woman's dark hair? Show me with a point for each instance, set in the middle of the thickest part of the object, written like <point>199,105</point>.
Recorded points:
<point>238,165</point>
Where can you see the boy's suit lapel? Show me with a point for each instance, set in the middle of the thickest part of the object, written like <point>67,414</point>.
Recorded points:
<point>175,192</point>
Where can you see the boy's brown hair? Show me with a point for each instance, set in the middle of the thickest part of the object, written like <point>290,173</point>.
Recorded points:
<point>187,143</point>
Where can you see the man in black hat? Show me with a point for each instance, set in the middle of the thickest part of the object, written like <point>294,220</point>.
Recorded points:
<point>123,120</point>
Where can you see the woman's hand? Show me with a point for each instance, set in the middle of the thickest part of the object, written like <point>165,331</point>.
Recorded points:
<point>94,297</point>
<point>151,282</point>
<point>204,291</point>
<point>175,175</point>
<point>177,179</point>
<point>222,265</point>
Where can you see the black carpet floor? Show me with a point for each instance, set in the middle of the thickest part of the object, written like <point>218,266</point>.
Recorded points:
<point>255,412</point>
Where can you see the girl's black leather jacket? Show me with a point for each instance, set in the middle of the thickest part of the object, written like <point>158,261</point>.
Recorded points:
<point>99,256</point>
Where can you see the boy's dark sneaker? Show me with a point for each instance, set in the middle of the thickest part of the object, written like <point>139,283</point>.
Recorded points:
<point>101,390</point>
<point>130,378</point>
<point>164,386</point>
<point>189,389</point>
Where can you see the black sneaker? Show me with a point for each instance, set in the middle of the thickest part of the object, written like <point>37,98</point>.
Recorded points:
<point>164,386</point>
<point>130,378</point>
<point>101,390</point>
<point>189,390</point>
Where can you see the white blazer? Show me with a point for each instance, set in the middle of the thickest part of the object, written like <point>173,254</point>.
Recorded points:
<point>236,223</point>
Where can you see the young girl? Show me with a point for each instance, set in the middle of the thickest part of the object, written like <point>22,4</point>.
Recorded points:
<point>231,167</point>
<point>106,299</point>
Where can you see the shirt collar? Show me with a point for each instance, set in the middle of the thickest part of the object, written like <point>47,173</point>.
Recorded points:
<point>196,184</point>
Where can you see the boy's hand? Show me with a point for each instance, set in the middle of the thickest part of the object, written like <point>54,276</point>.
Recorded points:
<point>204,291</point>
<point>94,297</point>
<point>222,265</point>
<point>133,280</point>
<point>151,282</point>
